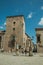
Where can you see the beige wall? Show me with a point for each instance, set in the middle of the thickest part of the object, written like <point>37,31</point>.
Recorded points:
<point>40,44</point>
<point>2,33</point>
<point>28,42</point>
<point>20,37</point>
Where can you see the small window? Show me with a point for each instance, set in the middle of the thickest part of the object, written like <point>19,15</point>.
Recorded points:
<point>13,37</point>
<point>13,28</point>
<point>14,22</point>
<point>38,38</point>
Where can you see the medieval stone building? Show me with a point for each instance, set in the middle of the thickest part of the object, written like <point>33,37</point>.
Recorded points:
<point>39,38</point>
<point>14,37</point>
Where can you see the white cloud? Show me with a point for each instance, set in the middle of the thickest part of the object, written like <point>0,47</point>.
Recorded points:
<point>30,15</point>
<point>41,7</point>
<point>1,27</point>
<point>41,21</point>
<point>4,23</point>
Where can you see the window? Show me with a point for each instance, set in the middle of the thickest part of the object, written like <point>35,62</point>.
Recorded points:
<point>38,38</point>
<point>14,22</point>
<point>0,41</point>
<point>13,28</point>
<point>14,38</point>
<point>12,41</point>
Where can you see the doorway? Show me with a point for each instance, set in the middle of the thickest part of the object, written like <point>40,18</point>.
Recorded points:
<point>0,41</point>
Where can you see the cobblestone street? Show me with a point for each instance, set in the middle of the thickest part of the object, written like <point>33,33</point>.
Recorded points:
<point>10,59</point>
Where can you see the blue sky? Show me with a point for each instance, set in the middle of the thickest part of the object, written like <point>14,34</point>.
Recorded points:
<point>31,9</point>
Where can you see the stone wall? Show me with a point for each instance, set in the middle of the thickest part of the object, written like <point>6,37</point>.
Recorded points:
<point>39,31</point>
<point>15,25</point>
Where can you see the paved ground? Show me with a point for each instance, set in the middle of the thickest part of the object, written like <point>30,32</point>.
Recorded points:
<point>10,59</point>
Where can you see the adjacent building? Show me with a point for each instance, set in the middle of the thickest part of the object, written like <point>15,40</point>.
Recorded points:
<point>29,44</point>
<point>39,38</point>
<point>2,33</point>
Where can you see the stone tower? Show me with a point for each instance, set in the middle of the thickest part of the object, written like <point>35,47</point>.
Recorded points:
<point>15,32</point>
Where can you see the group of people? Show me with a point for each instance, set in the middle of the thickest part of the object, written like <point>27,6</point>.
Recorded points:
<point>24,50</point>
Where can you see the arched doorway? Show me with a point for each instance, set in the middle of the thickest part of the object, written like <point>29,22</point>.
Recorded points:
<point>11,44</point>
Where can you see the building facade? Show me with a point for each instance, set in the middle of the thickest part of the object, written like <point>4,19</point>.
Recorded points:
<point>29,44</point>
<point>15,33</point>
<point>2,33</point>
<point>39,38</point>
<point>15,38</point>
